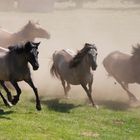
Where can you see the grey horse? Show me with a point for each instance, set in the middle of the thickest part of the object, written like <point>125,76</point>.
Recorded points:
<point>27,33</point>
<point>124,68</point>
<point>76,69</point>
<point>14,67</point>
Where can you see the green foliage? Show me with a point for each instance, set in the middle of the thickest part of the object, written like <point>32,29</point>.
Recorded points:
<point>67,120</point>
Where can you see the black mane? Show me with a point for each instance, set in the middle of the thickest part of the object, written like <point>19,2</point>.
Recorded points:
<point>79,56</point>
<point>23,47</point>
<point>19,48</point>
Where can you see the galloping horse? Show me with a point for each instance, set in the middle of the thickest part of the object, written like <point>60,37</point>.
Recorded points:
<point>14,67</point>
<point>76,69</point>
<point>28,33</point>
<point>124,68</point>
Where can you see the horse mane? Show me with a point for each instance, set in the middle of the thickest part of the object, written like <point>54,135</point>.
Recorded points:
<point>19,48</point>
<point>79,56</point>
<point>136,50</point>
<point>27,26</point>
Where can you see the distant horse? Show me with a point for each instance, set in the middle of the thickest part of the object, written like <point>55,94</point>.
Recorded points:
<point>75,70</point>
<point>124,68</point>
<point>28,33</point>
<point>14,67</point>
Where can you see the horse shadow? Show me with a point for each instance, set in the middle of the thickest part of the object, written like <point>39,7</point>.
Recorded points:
<point>3,114</point>
<point>56,105</point>
<point>114,105</point>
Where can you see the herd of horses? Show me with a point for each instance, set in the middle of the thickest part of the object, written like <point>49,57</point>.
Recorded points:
<point>18,49</point>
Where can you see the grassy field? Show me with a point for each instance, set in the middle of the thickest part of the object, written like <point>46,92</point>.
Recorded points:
<point>62,119</point>
<point>73,119</point>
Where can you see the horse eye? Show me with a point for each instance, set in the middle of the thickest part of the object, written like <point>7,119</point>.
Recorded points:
<point>37,53</point>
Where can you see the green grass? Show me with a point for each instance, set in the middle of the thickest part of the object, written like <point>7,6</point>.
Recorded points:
<point>68,120</point>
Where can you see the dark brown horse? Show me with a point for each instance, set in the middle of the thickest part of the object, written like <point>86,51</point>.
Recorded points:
<point>75,69</point>
<point>124,68</point>
<point>28,33</point>
<point>14,67</point>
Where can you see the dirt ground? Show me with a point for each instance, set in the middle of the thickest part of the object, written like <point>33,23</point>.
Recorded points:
<point>109,29</point>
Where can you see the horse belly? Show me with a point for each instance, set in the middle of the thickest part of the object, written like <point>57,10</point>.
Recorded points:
<point>4,76</point>
<point>68,75</point>
<point>73,81</point>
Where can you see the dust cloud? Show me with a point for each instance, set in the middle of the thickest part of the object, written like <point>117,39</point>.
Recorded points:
<point>110,28</point>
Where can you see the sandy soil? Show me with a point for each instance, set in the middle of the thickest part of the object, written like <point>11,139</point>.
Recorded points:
<point>109,29</point>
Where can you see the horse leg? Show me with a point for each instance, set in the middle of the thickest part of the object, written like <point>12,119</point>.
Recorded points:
<point>125,87</point>
<point>64,86</point>
<point>90,89</point>
<point>9,96</point>
<point>68,87</point>
<point>90,85</point>
<point>130,95</point>
<point>88,94</point>
<point>18,90</point>
<point>31,84</point>
<point>5,101</point>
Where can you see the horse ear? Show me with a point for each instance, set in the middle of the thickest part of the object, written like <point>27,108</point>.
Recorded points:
<point>29,22</point>
<point>87,44</point>
<point>28,46</point>
<point>11,48</point>
<point>36,44</point>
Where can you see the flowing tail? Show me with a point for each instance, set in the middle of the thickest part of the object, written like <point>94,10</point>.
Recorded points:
<point>53,69</point>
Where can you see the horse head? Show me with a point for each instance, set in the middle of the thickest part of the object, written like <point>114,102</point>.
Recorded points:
<point>92,53</point>
<point>31,50</point>
<point>37,31</point>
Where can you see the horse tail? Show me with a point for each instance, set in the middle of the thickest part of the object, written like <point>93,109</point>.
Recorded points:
<point>53,69</point>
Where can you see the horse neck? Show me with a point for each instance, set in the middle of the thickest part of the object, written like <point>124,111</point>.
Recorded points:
<point>20,60</point>
<point>23,35</point>
<point>85,65</point>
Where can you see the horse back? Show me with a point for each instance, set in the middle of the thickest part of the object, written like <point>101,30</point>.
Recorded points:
<point>62,56</point>
<point>4,33</point>
<point>5,37</point>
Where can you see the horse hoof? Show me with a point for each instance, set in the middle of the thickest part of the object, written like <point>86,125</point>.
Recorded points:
<point>133,100</point>
<point>135,104</point>
<point>9,98</point>
<point>38,108</point>
<point>14,102</point>
<point>1,111</point>
<point>9,104</point>
<point>67,97</point>
<point>96,106</point>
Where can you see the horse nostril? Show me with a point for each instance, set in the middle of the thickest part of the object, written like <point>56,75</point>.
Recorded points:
<point>36,66</point>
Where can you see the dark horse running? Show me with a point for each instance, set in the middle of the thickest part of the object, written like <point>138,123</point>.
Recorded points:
<point>14,67</point>
<point>75,69</point>
<point>124,68</point>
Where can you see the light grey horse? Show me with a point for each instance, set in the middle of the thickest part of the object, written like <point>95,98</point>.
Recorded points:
<point>124,68</point>
<point>76,70</point>
<point>28,33</point>
<point>14,67</point>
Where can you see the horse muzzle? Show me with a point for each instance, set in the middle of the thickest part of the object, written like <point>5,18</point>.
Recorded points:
<point>48,36</point>
<point>35,67</point>
<point>94,67</point>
